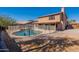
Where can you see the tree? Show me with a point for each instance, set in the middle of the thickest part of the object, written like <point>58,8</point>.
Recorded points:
<point>71,21</point>
<point>6,21</point>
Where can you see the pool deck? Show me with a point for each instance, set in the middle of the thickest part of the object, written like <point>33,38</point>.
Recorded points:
<point>72,33</point>
<point>26,38</point>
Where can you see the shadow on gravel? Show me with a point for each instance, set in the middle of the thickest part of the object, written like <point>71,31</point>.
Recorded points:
<point>47,44</point>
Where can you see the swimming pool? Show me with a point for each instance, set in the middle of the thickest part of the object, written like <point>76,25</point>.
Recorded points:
<point>26,33</point>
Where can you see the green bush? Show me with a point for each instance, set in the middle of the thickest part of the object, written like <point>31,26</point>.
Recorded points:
<point>6,21</point>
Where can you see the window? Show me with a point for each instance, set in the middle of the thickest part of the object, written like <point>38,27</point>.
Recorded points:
<point>51,17</point>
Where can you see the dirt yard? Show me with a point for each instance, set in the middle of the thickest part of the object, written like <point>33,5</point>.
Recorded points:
<point>73,33</point>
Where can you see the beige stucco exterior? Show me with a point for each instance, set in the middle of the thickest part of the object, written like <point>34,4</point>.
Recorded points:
<point>46,19</point>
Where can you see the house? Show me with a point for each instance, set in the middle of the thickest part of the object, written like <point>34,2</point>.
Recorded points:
<point>57,21</point>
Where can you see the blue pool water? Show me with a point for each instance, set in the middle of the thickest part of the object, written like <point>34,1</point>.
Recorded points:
<point>26,33</point>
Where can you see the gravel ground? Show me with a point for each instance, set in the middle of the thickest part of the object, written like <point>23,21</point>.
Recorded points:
<point>73,33</point>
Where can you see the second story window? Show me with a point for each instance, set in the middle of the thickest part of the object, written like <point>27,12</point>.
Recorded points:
<point>51,17</point>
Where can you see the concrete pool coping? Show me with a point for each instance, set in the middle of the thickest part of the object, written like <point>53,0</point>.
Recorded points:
<point>42,32</point>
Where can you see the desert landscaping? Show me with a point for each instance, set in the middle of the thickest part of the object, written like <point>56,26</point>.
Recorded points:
<point>64,41</point>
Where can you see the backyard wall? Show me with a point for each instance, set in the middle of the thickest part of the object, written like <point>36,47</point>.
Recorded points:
<point>9,42</point>
<point>75,26</point>
<point>3,46</point>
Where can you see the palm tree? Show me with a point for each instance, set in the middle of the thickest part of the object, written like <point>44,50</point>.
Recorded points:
<point>5,21</point>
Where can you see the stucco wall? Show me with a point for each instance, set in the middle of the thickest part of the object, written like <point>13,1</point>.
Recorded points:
<point>46,19</point>
<point>75,26</point>
<point>10,43</point>
<point>3,46</point>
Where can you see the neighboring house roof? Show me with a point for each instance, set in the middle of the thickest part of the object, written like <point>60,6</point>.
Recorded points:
<point>22,22</point>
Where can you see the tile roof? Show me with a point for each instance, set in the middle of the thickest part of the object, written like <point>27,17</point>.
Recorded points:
<point>51,14</point>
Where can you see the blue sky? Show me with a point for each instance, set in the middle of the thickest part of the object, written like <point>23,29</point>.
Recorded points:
<point>32,13</point>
